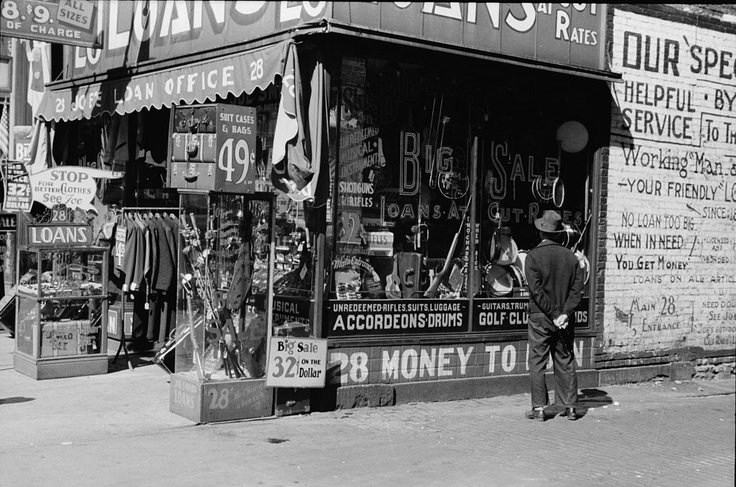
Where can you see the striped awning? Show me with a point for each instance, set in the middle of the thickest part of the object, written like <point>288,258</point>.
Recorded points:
<point>191,83</point>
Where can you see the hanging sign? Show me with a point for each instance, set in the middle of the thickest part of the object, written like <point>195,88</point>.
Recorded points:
<point>72,22</point>
<point>72,186</point>
<point>16,186</point>
<point>213,147</point>
<point>297,362</point>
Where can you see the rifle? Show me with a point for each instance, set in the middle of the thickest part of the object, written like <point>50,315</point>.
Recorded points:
<point>580,238</point>
<point>197,257</point>
<point>187,285</point>
<point>432,289</point>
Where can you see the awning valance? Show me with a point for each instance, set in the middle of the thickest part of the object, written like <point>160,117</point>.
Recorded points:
<point>186,84</point>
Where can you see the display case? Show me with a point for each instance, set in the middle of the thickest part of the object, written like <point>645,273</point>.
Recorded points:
<point>223,307</point>
<point>61,311</point>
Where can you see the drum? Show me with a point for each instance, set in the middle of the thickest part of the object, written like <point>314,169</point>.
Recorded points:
<point>499,280</point>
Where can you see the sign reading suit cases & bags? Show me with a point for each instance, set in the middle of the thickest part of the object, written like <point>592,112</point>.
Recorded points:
<point>213,147</point>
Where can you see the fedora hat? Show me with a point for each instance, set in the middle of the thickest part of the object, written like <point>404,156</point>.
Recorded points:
<point>550,222</point>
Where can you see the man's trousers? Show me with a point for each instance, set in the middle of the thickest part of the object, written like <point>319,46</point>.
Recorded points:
<point>545,339</point>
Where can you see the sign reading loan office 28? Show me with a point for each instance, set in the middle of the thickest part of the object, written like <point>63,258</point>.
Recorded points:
<point>72,22</point>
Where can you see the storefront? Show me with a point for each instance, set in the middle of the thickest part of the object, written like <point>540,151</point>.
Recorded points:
<point>457,127</point>
<point>398,156</point>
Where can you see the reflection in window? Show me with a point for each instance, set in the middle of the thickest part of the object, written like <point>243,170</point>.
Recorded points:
<point>403,226</point>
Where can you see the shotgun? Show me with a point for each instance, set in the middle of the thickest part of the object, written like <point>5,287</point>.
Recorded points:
<point>439,277</point>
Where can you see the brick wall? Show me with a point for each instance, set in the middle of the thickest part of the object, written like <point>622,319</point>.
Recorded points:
<point>667,238</point>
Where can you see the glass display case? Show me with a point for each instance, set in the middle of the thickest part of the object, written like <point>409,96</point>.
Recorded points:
<point>61,312</point>
<point>223,307</point>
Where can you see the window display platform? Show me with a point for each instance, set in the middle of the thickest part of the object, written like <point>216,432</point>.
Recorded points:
<point>57,368</point>
<point>222,400</point>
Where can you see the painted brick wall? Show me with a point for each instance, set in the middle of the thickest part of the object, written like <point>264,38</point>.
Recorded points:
<point>669,239</point>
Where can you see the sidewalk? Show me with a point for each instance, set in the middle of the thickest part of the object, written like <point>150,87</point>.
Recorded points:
<point>116,429</point>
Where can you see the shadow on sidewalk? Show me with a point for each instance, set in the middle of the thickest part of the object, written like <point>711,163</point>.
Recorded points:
<point>137,359</point>
<point>15,400</point>
<point>587,399</point>
<point>592,398</point>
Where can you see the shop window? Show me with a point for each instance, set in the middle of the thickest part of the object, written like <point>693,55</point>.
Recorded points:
<point>402,188</point>
<point>417,218</point>
<point>294,243</point>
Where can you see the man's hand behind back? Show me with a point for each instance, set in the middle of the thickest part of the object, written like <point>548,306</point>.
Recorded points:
<point>562,321</point>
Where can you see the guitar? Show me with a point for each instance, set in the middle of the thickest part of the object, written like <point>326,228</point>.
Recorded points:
<point>186,284</point>
<point>579,253</point>
<point>440,276</point>
<point>393,284</point>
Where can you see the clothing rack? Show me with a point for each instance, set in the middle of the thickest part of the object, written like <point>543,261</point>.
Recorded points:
<point>146,209</point>
<point>121,214</point>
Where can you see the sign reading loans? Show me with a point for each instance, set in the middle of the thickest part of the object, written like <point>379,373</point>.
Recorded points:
<point>296,362</point>
<point>70,22</point>
<point>61,234</point>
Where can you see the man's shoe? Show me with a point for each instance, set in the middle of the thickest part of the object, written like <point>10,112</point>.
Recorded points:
<point>571,414</point>
<point>536,414</point>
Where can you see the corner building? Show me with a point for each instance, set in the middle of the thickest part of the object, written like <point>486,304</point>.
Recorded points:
<point>426,138</point>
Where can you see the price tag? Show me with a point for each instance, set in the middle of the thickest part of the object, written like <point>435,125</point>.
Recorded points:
<point>296,362</point>
<point>18,196</point>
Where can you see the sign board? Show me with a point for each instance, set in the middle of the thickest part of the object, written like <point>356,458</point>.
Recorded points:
<point>213,147</point>
<point>64,338</point>
<point>188,83</point>
<point>296,362</point>
<point>290,314</point>
<point>168,30</point>
<point>59,234</point>
<point>212,401</point>
<point>8,222</point>
<point>565,34</point>
<point>72,22</point>
<point>22,137</point>
<point>16,187</point>
<point>72,186</point>
<point>513,314</point>
<point>391,317</point>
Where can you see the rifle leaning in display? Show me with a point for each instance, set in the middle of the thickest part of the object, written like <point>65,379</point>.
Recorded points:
<point>197,258</point>
<point>186,284</point>
<point>440,276</point>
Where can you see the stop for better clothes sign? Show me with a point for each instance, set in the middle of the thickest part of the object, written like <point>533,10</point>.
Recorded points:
<point>297,362</point>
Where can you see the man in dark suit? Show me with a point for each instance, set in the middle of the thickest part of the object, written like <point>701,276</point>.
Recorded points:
<point>555,282</point>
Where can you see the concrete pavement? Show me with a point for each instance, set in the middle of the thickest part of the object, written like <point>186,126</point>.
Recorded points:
<point>116,429</point>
